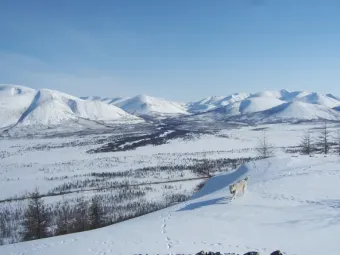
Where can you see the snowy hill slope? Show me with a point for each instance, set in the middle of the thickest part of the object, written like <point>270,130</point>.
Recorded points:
<point>293,111</point>
<point>107,100</point>
<point>303,96</point>
<point>220,107</point>
<point>277,106</point>
<point>144,105</point>
<point>332,96</point>
<point>250,105</point>
<point>214,102</point>
<point>147,105</point>
<point>292,202</point>
<point>241,106</point>
<point>14,101</point>
<point>279,94</point>
<point>22,106</point>
<point>315,98</point>
<point>337,108</point>
<point>53,107</point>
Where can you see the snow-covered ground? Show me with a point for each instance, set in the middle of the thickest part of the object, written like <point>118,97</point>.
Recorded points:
<point>292,202</point>
<point>28,163</point>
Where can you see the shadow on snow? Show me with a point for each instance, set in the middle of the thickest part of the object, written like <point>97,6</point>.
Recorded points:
<point>200,204</point>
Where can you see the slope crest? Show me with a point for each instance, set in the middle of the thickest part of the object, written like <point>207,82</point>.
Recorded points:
<point>143,104</point>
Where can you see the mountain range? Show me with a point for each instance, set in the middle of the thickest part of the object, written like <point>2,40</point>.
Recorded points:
<point>23,106</point>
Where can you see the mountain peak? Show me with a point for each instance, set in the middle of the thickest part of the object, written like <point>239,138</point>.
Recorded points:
<point>12,90</point>
<point>45,107</point>
<point>144,104</point>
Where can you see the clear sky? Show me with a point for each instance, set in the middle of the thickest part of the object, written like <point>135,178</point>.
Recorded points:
<point>176,49</point>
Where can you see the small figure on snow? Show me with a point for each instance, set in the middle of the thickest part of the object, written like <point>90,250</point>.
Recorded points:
<point>236,188</point>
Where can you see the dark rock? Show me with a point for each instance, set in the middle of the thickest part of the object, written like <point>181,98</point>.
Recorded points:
<point>252,253</point>
<point>276,253</point>
<point>201,253</point>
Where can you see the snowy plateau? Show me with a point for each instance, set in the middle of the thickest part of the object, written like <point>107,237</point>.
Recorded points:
<point>161,171</point>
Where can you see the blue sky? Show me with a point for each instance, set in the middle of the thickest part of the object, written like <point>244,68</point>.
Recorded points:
<point>180,49</point>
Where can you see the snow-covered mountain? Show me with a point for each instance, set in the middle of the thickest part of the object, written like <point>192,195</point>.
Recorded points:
<point>249,105</point>
<point>315,98</point>
<point>21,106</point>
<point>302,96</point>
<point>146,105</point>
<point>214,102</point>
<point>107,100</point>
<point>14,100</point>
<point>293,111</point>
<point>337,108</point>
<point>237,105</point>
<point>281,105</point>
<point>244,103</point>
<point>332,96</point>
<point>279,94</point>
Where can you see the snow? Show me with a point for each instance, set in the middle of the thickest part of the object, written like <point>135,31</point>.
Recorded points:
<point>274,94</point>
<point>14,100</point>
<point>143,104</point>
<point>291,204</point>
<point>214,102</point>
<point>328,100</point>
<point>332,96</point>
<point>295,111</point>
<point>282,105</point>
<point>21,106</point>
<point>47,108</point>
<point>315,98</point>
<point>107,100</point>
<point>251,105</point>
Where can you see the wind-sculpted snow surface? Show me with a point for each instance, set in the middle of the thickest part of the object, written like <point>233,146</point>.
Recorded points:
<point>291,204</point>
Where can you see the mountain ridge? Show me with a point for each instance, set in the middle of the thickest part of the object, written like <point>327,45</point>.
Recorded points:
<point>47,107</point>
<point>24,106</point>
